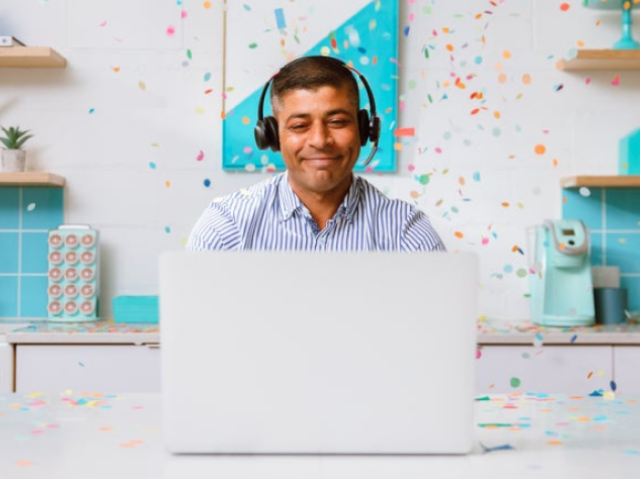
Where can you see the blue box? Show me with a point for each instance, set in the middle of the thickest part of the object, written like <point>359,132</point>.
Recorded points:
<point>136,309</point>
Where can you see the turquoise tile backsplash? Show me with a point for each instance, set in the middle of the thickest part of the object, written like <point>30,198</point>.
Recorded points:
<point>26,215</point>
<point>612,216</point>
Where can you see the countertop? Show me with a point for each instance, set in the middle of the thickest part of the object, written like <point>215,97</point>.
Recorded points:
<point>490,332</point>
<point>73,435</point>
<point>502,332</point>
<point>98,332</point>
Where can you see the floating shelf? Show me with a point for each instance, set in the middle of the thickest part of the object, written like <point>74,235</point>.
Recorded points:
<point>622,181</point>
<point>29,178</point>
<point>602,60</point>
<point>31,57</point>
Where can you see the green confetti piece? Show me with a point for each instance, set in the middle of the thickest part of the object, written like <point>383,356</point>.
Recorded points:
<point>253,45</point>
<point>515,382</point>
<point>189,54</point>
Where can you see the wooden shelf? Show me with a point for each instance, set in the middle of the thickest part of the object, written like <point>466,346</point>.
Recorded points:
<point>31,57</point>
<point>29,178</point>
<point>614,181</point>
<point>602,60</point>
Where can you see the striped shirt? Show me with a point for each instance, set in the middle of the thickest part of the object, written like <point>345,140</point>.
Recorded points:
<point>270,216</point>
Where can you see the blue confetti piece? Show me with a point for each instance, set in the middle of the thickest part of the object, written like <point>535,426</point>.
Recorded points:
<point>613,385</point>
<point>558,87</point>
<point>91,110</point>
<point>503,447</point>
<point>406,30</point>
<point>596,393</point>
<point>207,76</point>
<point>280,21</point>
<point>207,182</point>
<point>573,338</point>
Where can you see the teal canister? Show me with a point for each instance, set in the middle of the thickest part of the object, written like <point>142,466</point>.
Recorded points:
<point>629,154</point>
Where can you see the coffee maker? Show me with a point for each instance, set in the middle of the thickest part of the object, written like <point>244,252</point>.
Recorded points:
<point>560,279</point>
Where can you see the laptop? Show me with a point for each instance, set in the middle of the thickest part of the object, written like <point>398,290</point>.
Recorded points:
<point>318,352</point>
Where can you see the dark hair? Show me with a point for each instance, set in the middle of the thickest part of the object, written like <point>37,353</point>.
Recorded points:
<point>311,73</point>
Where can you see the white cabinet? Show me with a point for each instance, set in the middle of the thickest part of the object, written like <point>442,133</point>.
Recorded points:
<point>6,368</point>
<point>549,369</point>
<point>627,369</point>
<point>92,368</point>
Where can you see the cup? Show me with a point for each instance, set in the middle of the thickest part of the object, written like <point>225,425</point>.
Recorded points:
<point>610,305</point>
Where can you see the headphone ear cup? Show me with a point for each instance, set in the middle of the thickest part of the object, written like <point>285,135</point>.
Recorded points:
<point>363,126</point>
<point>374,132</point>
<point>266,134</point>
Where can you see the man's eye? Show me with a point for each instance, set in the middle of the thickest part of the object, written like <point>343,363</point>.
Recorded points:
<point>298,127</point>
<point>338,123</point>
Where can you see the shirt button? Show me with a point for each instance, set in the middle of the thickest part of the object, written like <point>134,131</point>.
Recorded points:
<point>322,241</point>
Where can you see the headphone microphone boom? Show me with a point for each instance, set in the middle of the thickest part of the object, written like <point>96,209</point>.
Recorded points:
<point>266,129</point>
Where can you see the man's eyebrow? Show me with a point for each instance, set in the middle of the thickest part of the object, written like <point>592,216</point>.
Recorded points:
<point>304,116</point>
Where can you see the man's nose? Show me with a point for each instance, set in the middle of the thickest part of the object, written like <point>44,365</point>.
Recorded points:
<point>320,135</point>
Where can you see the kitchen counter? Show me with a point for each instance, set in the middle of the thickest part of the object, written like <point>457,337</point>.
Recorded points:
<point>502,332</point>
<point>98,332</point>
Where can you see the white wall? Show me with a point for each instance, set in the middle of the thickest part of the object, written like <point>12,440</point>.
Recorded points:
<point>130,96</point>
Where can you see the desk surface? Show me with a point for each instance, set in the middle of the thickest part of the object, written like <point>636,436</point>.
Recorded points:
<point>102,332</point>
<point>71,435</point>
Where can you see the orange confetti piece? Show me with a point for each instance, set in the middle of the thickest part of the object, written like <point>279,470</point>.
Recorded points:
<point>24,463</point>
<point>590,375</point>
<point>540,149</point>
<point>496,115</point>
<point>475,111</point>
<point>502,78</point>
<point>554,442</point>
<point>404,132</point>
<point>458,234</point>
<point>206,4</point>
<point>515,249</point>
<point>449,47</point>
<point>116,69</point>
<point>506,54</point>
<point>564,7</point>
<point>461,180</point>
<point>505,204</point>
<point>526,79</point>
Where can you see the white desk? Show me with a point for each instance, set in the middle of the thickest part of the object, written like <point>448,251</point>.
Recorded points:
<point>76,436</point>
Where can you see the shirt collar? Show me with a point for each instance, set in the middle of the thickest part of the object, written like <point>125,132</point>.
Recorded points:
<point>290,203</point>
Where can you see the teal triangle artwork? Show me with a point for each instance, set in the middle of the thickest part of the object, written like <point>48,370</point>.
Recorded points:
<point>368,41</point>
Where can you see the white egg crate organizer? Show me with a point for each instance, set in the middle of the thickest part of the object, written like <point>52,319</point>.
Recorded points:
<point>73,274</point>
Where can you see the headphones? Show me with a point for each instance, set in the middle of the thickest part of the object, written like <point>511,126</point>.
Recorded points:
<point>266,129</point>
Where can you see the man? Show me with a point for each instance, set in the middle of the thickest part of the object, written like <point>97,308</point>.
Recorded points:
<point>318,203</point>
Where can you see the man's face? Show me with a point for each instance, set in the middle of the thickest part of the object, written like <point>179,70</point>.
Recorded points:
<point>319,139</point>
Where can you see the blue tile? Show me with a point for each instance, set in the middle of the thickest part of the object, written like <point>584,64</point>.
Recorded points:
<point>632,283</point>
<point>8,297</point>
<point>9,252</point>
<point>34,253</point>
<point>42,208</point>
<point>9,208</point>
<point>596,248</point>
<point>33,296</point>
<point>586,208</point>
<point>623,209</point>
<point>622,251</point>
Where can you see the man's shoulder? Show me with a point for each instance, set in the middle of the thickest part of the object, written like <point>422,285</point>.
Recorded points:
<point>372,194</point>
<point>252,195</point>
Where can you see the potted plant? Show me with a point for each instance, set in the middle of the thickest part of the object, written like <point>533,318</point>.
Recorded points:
<point>14,157</point>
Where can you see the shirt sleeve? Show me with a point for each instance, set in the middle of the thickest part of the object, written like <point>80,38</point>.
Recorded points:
<point>214,230</point>
<point>419,235</point>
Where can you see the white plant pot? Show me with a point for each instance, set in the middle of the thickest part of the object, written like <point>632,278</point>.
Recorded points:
<point>12,161</point>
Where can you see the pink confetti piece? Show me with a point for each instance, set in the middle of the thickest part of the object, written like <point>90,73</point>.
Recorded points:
<point>200,156</point>
<point>171,30</point>
<point>616,81</point>
<point>183,14</point>
<point>103,24</point>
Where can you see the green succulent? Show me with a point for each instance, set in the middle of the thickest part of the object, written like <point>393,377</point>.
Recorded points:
<point>15,137</point>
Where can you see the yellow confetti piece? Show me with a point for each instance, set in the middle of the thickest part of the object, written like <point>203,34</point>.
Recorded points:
<point>142,85</point>
<point>609,395</point>
<point>206,4</point>
<point>34,395</point>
